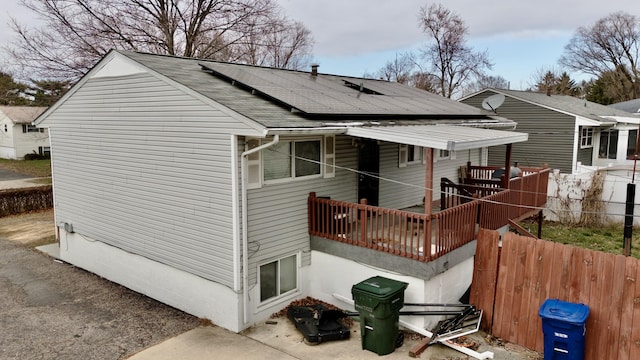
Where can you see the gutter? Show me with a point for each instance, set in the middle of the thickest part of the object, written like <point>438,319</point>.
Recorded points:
<point>245,235</point>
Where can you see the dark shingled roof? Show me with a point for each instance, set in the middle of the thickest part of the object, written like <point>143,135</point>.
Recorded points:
<point>278,98</point>
<point>567,104</point>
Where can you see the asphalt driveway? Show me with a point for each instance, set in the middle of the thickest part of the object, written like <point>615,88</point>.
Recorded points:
<point>11,175</point>
<point>52,310</point>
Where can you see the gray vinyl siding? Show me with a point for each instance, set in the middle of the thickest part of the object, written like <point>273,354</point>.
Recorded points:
<point>277,219</point>
<point>407,185</point>
<point>145,167</point>
<point>551,134</point>
<point>585,156</point>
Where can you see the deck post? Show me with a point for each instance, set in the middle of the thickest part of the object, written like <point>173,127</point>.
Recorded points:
<point>428,199</point>
<point>312,212</point>
<point>428,181</point>
<point>362,217</point>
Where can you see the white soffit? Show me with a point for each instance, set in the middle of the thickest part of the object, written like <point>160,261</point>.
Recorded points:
<point>443,137</point>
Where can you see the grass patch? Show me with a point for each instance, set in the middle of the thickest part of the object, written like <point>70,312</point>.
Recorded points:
<point>35,168</point>
<point>31,229</point>
<point>608,238</point>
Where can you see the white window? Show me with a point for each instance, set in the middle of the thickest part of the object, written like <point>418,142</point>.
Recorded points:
<point>446,154</point>
<point>44,150</point>
<point>27,128</point>
<point>409,154</point>
<point>292,159</point>
<point>608,144</point>
<point>586,137</point>
<point>414,154</point>
<point>278,278</point>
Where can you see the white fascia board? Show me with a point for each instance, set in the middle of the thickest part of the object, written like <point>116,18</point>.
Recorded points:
<point>471,138</point>
<point>624,119</point>
<point>395,137</point>
<point>583,121</point>
<point>476,144</point>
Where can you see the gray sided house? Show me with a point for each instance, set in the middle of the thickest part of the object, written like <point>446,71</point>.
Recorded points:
<point>563,130</point>
<point>230,190</point>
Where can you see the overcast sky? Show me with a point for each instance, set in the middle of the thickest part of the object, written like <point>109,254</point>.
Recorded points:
<point>354,37</point>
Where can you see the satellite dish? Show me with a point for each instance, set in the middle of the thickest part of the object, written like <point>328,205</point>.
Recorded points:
<point>493,102</point>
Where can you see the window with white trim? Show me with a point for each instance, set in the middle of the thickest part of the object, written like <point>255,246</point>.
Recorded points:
<point>28,128</point>
<point>278,278</point>
<point>409,154</point>
<point>608,144</point>
<point>445,154</point>
<point>414,154</point>
<point>586,137</point>
<point>290,159</point>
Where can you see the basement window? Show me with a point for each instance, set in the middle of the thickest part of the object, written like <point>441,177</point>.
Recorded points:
<point>278,278</point>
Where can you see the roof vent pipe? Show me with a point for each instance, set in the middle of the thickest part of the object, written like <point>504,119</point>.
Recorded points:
<point>314,69</point>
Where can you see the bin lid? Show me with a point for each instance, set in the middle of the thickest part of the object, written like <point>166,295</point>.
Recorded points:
<point>381,286</point>
<point>567,312</point>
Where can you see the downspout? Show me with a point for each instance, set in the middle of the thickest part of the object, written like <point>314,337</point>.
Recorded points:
<point>245,216</point>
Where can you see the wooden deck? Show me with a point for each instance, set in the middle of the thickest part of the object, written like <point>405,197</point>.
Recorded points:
<point>408,232</point>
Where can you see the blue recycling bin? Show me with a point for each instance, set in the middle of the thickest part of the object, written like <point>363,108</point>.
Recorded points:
<point>564,328</point>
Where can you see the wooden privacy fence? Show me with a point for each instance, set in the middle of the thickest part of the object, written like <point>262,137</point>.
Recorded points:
<point>511,284</point>
<point>18,201</point>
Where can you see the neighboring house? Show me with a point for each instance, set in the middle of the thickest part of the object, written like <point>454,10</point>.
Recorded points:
<point>230,190</point>
<point>630,106</point>
<point>18,136</point>
<point>563,130</point>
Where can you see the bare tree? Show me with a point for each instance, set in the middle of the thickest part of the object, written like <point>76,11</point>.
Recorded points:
<point>612,44</point>
<point>282,44</point>
<point>453,63</point>
<point>399,69</point>
<point>485,82</point>
<point>76,33</point>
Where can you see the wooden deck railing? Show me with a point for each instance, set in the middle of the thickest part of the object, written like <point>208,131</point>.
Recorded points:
<point>420,236</point>
<point>393,231</point>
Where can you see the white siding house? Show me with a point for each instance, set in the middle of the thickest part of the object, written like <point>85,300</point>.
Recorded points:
<point>18,136</point>
<point>188,180</point>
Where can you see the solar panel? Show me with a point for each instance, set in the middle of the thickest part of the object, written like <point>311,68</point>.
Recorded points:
<point>336,95</point>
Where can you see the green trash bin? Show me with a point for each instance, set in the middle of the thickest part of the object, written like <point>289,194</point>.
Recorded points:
<point>379,300</point>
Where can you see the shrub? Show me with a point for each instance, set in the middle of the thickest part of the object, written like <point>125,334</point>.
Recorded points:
<point>35,156</point>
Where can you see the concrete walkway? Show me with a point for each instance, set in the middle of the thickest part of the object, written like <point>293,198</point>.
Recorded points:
<point>279,339</point>
<point>210,342</point>
<point>21,183</point>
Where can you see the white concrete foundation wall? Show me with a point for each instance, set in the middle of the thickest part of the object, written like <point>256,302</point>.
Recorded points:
<point>334,275</point>
<point>184,291</point>
<point>7,153</point>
